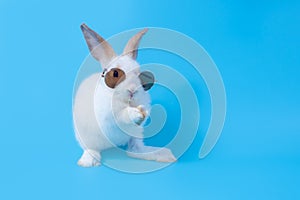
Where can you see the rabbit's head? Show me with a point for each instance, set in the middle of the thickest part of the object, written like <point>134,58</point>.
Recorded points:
<point>119,73</point>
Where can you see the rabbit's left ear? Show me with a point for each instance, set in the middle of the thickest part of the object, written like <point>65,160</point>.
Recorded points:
<point>133,44</point>
<point>99,48</point>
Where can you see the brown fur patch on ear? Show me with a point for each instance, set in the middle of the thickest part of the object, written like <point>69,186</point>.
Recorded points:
<point>114,77</point>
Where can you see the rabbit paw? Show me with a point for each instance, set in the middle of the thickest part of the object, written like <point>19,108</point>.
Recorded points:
<point>136,115</point>
<point>164,155</point>
<point>89,158</point>
<point>154,153</point>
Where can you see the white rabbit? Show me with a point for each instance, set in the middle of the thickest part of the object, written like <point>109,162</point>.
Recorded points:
<point>110,108</point>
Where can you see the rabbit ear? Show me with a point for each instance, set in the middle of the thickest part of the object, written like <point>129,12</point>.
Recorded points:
<point>99,48</point>
<point>133,43</point>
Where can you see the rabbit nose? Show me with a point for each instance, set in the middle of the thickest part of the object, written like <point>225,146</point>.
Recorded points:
<point>131,92</point>
<point>132,88</point>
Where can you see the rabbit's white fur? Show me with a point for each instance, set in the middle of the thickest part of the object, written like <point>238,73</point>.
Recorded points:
<point>106,117</point>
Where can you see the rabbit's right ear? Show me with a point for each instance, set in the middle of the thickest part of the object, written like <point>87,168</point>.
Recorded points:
<point>99,48</point>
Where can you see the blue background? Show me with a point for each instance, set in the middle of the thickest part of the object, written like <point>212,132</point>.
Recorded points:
<point>255,45</point>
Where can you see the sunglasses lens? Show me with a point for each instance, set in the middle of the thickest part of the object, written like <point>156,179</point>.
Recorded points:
<point>114,77</point>
<point>147,80</point>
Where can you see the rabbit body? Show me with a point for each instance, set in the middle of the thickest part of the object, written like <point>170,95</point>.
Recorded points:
<point>109,114</point>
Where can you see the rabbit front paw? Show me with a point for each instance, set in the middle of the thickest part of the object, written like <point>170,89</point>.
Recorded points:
<point>137,115</point>
<point>153,153</point>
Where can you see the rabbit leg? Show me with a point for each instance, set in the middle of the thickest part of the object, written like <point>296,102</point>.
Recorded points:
<point>89,158</point>
<point>137,149</point>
